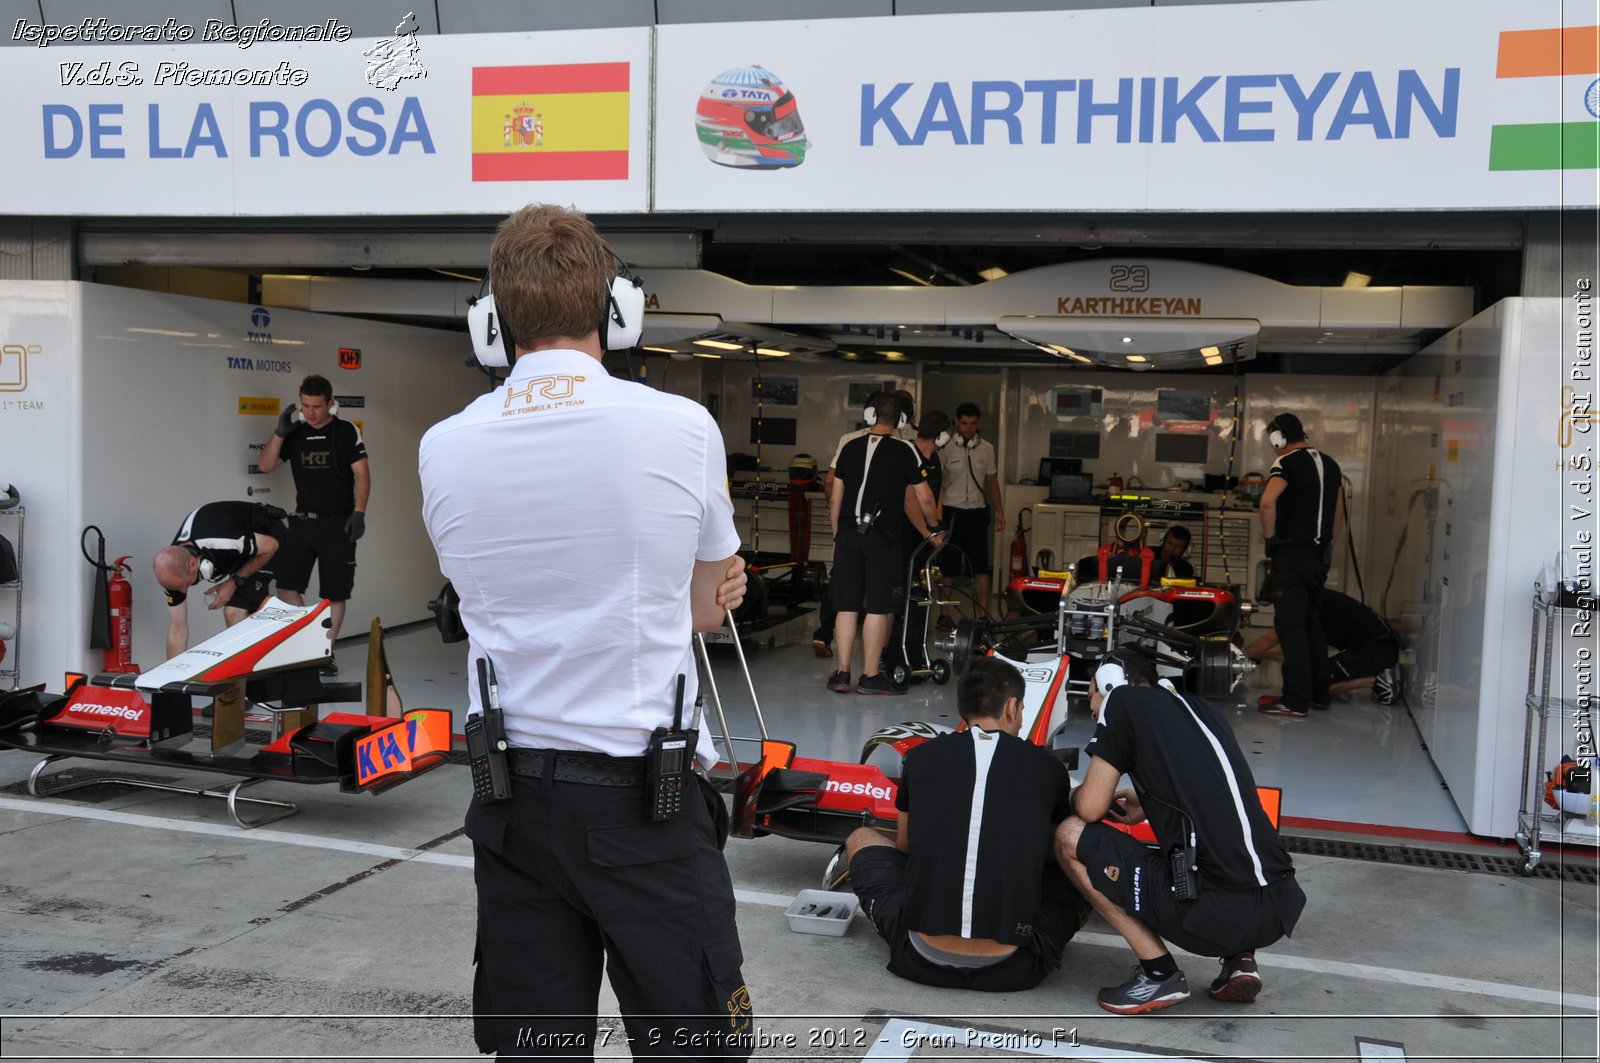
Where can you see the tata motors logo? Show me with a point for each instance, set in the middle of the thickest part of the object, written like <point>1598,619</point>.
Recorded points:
<point>260,318</point>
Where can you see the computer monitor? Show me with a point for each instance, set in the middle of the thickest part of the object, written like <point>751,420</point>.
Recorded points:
<point>1071,487</point>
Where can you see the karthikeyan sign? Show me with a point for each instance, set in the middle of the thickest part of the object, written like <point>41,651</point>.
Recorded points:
<point>1326,104</point>
<point>1236,108</point>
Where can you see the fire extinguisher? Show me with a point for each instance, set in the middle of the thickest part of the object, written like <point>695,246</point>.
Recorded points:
<point>110,606</point>
<point>119,595</point>
<point>1019,547</point>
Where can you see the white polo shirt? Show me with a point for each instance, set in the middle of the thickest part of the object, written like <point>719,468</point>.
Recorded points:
<point>568,508</point>
<point>966,472</point>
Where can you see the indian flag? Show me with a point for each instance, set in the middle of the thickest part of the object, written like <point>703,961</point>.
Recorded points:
<point>565,122</point>
<point>1570,53</point>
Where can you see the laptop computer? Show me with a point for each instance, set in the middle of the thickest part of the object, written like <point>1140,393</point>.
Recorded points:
<point>1071,487</point>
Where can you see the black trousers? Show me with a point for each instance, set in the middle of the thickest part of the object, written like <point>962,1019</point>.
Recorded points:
<point>572,876</point>
<point>1298,572</point>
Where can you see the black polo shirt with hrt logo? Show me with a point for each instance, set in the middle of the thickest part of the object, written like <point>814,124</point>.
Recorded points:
<point>983,807</point>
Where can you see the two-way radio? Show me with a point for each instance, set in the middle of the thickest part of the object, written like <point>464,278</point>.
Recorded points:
<point>486,740</point>
<point>668,760</point>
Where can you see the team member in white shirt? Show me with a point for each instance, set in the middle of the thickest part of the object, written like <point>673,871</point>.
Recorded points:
<point>582,579</point>
<point>971,486</point>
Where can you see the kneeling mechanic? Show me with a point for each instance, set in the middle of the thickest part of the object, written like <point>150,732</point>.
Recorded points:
<point>967,896</point>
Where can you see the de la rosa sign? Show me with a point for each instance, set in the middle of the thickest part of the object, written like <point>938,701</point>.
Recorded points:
<point>272,128</point>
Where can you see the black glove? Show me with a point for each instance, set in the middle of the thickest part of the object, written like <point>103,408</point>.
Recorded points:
<point>286,422</point>
<point>356,526</point>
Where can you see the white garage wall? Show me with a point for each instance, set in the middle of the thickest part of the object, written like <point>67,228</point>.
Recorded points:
<point>162,432</point>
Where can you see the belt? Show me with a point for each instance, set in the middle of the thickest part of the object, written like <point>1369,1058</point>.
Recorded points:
<point>300,515</point>
<point>592,769</point>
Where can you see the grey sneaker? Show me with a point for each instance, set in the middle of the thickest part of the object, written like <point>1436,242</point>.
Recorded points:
<point>1141,993</point>
<point>1240,980</point>
<point>1386,687</point>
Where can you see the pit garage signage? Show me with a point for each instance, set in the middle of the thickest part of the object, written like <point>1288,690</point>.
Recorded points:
<point>290,119</point>
<point>1332,104</point>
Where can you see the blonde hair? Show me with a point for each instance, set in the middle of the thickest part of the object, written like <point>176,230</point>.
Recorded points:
<point>550,272</point>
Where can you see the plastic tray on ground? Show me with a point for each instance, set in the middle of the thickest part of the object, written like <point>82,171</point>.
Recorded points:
<point>821,912</point>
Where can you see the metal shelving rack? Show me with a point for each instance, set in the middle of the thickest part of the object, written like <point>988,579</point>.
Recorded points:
<point>1536,821</point>
<point>11,677</point>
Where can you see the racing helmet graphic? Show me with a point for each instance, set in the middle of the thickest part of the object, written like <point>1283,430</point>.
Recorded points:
<point>747,118</point>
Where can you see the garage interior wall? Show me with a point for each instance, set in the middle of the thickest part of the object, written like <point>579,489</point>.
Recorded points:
<point>152,404</point>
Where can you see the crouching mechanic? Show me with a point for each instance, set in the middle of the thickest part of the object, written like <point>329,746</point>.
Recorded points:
<point>1192,783</point>
<point>227,544</point>
<point>533,518</point>
<point>967,895</point>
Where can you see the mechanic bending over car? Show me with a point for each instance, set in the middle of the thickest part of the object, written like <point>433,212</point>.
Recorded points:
<point>1220,883</point>
<point>964,904</point>
<point>590,864</point>
<point>229,545</point>
<point>1368,649</point>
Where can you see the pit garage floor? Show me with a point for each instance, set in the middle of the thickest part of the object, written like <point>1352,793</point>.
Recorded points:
<point>137,924</point>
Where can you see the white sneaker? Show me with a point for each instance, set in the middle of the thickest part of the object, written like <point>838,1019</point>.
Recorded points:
<point>1386,687</point>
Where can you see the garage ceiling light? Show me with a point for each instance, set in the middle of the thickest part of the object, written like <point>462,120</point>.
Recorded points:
<point>1137,358</point>
<point>1162,343</point>
<point>661,350</point>
<point>993,273</point>
<point>706,354</point>
<point>719,345</point>
<point>772,352</point>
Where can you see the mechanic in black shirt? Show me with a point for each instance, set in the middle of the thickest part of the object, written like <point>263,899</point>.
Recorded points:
<point>1191,781</point>
<point>331,482</point>
<point>227,544</point>
<point>1368,648</point>
<point>1302,516</point>
<point>967,895</point>
<point>866,507</point>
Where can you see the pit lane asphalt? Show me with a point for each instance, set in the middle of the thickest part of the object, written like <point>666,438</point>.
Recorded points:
<point>147,925</point>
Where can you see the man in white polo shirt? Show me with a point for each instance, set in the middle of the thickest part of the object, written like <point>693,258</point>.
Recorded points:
<point>582,579</point>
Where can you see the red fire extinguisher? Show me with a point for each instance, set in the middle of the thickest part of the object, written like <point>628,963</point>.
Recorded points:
<point>1019,548</point>
<point>119,596</point>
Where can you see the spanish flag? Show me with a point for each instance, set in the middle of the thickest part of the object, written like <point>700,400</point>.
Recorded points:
<point>565,122</point>
<point>1563,53</point>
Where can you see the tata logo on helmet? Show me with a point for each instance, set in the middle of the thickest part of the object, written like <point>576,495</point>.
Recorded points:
<point>747,119</point>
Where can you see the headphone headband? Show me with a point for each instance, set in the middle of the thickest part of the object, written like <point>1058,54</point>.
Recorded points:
<point>621,319</point>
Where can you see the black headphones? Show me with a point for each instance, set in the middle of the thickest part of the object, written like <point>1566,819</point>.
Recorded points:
<point>621,319</point>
